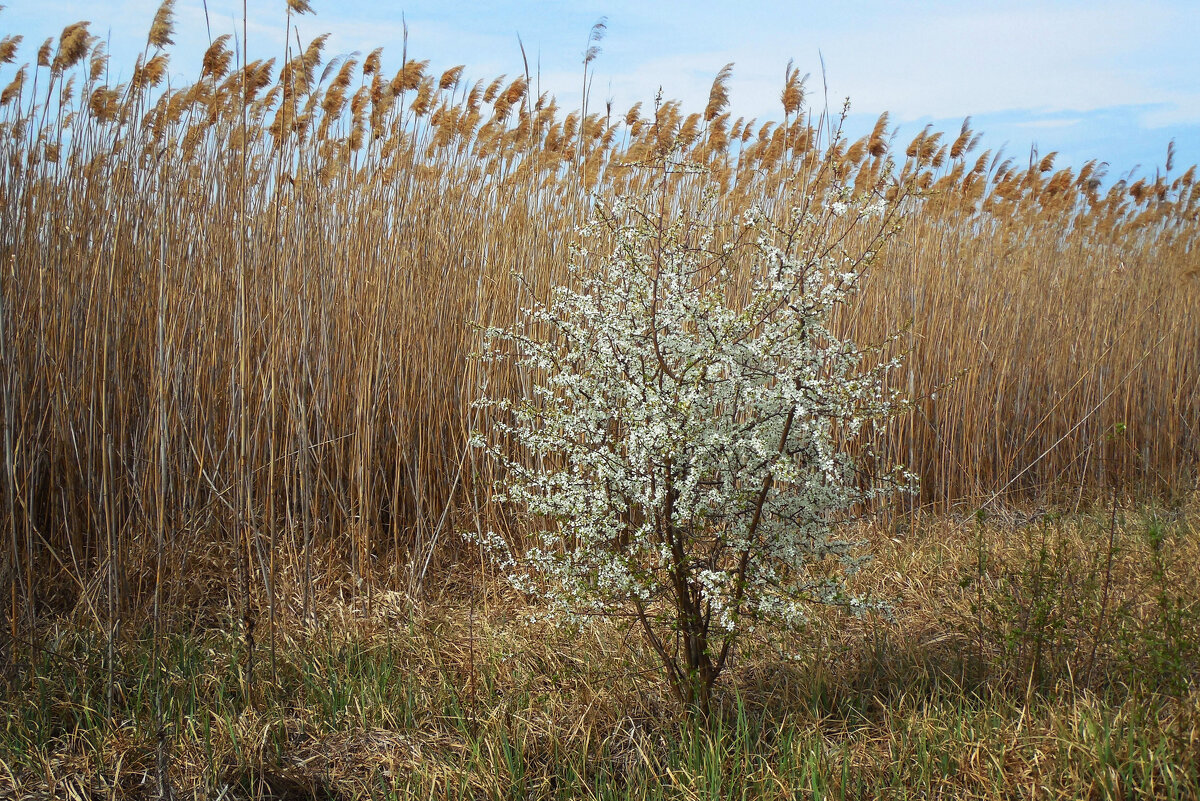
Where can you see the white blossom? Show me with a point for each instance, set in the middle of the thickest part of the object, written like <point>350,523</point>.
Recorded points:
<point>687,449</point>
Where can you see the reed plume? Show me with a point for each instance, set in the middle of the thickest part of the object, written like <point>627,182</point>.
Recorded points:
<point>385,219</point>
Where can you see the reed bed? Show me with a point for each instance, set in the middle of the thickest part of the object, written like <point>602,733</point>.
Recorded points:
<point>237,315</point>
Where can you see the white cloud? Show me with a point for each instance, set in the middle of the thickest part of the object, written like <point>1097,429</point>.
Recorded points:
<point>1050,123</point>
<point>1183,110</point>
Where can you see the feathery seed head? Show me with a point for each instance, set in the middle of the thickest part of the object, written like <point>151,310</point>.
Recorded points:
<point>451,77</point>
<point>475,95</point>
<point>217,59</point>
<point>493,89</point>
<point>939,157</point>
<point>409,76</point>
<point>13,90</point>
<point>358,101</point>
<point>152,73</point>
<point>634,114</point>
<point>99,61</point>
<point>919,146</point>
<point>257,75</point>
<point>8,48</point>
<point>792,95</point>
<point>595,36</point>
<point>297,74</point>
<point>163,26</point>
<point>73,45</point>
<point>877,142</point>
<point>424,99</point>
<point>718,96</point>
<point>103,103</point>
<point>962,144</point>
<point>372,62</point>
<point>344,75</point>
<point>509,98</point>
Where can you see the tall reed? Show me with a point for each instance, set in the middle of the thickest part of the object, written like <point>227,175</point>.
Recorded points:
<point>211,321</point>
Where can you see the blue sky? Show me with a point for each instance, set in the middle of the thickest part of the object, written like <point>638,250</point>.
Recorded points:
<point>1114,81</point>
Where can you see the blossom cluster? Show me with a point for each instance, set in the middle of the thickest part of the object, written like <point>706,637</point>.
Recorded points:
<point>695,430</point>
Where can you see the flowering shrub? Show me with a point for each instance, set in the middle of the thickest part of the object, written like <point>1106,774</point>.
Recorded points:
<point>695,429</point>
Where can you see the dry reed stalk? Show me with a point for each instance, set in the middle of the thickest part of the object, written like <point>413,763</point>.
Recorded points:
<point>245,305</point>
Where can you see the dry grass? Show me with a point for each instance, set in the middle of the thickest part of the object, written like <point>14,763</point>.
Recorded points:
<point>461,697</point>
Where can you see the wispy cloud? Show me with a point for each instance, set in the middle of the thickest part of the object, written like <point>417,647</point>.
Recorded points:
<point>1050,123</point>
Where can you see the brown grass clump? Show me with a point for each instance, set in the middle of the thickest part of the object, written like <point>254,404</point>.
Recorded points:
<point>238,315</point>
<point>982,685</point>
